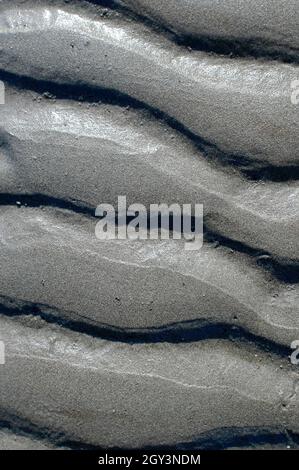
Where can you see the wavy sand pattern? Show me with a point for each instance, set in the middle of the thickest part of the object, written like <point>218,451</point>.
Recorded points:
<point>177,102</point>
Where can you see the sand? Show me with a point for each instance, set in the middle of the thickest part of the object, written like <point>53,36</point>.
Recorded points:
<point>142,344</point>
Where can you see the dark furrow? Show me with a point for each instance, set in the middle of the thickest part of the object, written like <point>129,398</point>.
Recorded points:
<point>230,47</point>
<point>41,200</point>
<point>221,439</point>
<point>218,439</point>
<point>24,427</point>
<point>233,48</point>
<point>273,173</point>
<point>249,167</point>
<point>180,332</point>
<point>285,272</point>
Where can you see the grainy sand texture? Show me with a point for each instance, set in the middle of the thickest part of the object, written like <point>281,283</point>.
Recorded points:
<point>144,344</point>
